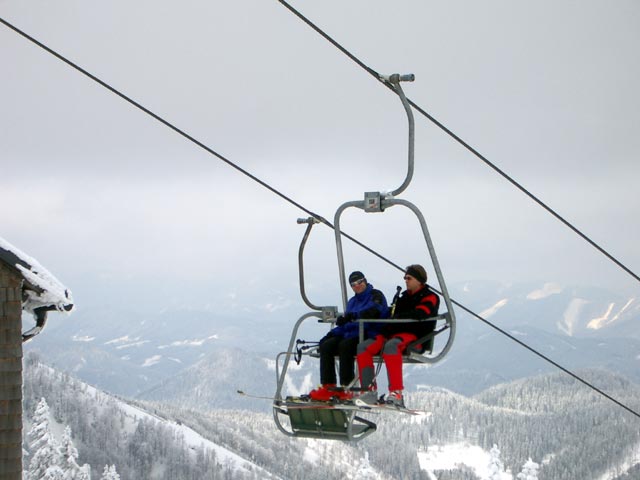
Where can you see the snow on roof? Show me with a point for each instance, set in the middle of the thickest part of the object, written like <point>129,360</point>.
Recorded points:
<point>51,292</point>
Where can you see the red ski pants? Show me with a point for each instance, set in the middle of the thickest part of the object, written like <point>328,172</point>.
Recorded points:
<point>391,354</point>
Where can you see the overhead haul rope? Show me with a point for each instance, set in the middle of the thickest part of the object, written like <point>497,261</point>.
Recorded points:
<point>501,172</point>
<point>291,201</point>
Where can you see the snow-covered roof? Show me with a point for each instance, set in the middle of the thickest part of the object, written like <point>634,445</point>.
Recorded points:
<point>42,288</point>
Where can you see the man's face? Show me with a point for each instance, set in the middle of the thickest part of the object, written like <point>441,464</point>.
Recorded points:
<point>359,285</point>
<point>412,284</point>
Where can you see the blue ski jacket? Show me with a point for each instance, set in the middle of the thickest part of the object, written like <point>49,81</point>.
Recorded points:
<point>370,303</point>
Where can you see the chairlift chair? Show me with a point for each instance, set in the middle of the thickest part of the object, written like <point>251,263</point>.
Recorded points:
<point>328,421</point>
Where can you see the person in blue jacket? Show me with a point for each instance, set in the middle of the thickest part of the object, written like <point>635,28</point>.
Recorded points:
<point>342,340</point>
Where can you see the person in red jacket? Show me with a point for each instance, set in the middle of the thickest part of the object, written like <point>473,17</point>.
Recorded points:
<point>417,302</point>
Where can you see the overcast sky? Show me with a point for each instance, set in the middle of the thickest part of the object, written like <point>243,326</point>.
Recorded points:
<point>116,205</point>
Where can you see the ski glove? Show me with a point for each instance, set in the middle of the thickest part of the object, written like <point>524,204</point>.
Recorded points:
<point>346,318</point>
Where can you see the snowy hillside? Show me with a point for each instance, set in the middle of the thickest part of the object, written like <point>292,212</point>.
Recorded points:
<point>93,414</point>
<point>551,419</point>
<point>155,441</point>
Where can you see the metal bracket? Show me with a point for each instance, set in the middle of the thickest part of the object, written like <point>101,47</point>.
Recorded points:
<point>373,202</point>
<point>329,313</point>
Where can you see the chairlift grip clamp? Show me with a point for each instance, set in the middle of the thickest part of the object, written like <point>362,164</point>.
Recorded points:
<point>373,202</point>
<point>309,220</point>
<point>397,78</point>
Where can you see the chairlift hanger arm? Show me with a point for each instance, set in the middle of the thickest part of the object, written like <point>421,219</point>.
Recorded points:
<point>394,81</point>
<point>311,221</point>
<point>336,230</point>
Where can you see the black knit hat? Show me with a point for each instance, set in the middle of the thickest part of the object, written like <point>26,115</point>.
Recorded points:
<point>355,276</point>
<point>418,272</point>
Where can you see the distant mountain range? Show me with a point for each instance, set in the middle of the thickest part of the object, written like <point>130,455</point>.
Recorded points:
<point>149,353</point>
<point>568,311</point>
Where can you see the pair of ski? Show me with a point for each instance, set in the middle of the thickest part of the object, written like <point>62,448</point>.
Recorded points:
<point>304,402</point>
<point>356,404</point>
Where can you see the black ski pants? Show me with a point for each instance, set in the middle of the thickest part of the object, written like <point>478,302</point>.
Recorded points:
<point>345,350</point>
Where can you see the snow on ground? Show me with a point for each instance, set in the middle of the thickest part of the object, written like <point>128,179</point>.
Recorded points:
<point>547,290</point>
<point>223,456</point>
<point>183,343</point>
<point>421,418</point>
<point>597,323</point>
<point>603,321</point>
<point>571,315</point>
<point>492,310</point>
<point>448,457</point>
<point>354,463</point>
<point>130,345</point>
<point>197,342</point>
<point>124,339</point>
<point>152,360</point>
<point>86,338</point>
<point>311,454</point>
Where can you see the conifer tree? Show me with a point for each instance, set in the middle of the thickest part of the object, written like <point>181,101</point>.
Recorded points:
<point>529,471</point>
<point>69,459</point>
<point>110,473</point>
<point>43,445</point>
<point>496,467</point>
<point>365,471</point>
<point>84,473</point>
<point>53,473</point>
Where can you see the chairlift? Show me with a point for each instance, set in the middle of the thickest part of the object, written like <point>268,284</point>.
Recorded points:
<point>325,420</point>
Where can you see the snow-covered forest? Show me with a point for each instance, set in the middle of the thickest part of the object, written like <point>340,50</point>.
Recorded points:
<point>545,427</point>
<point>111,440</point>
